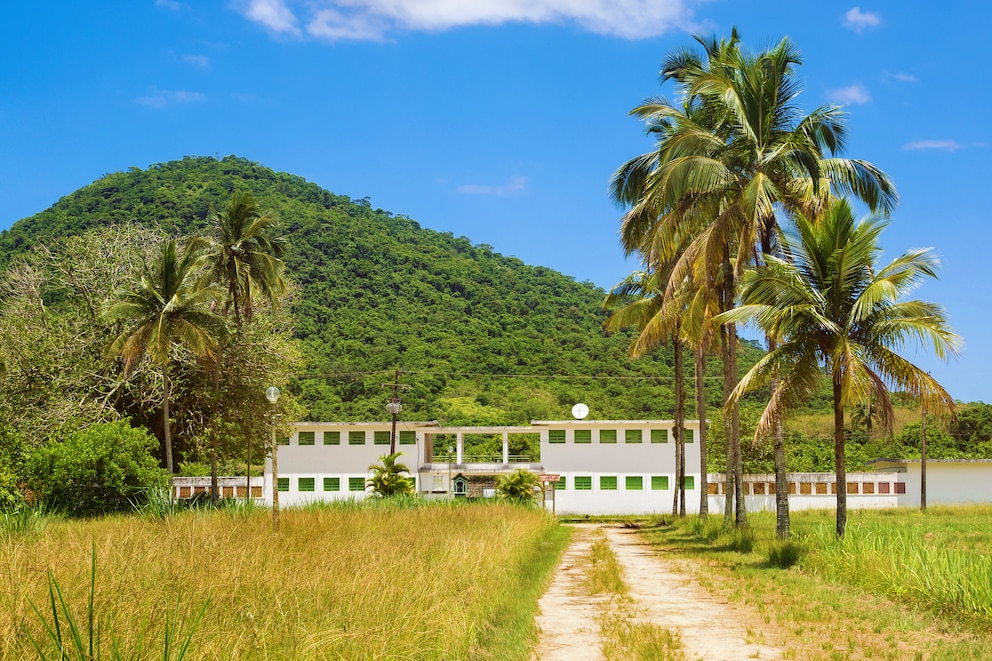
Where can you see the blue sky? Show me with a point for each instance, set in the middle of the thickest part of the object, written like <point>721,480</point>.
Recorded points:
<point>499,120</point>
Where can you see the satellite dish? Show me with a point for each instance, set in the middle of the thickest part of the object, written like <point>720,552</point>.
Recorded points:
<point>580,411</point>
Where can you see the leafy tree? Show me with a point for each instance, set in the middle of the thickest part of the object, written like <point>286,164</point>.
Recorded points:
<point>838,311</point>
<point>166,309</point>
<point>101,469</point>
<point>11,470</point>
<point>520,486</point>
<point>388,479</point>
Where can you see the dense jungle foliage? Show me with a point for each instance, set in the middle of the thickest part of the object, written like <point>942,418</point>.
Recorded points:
<point>479,338</point>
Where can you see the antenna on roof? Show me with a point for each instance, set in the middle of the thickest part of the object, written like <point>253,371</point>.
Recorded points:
<point>580,411</point>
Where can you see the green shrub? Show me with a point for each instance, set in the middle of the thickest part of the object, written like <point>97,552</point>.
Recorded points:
<point>11,495</point>
<point>785,553</point>
<point>520,486</point>
<point>105,468</point>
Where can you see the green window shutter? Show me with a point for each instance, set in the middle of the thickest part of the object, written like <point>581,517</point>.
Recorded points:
<point>332,438</point>
<point>659,483</point>
<point>607,435</point>
<point>283,484</point>
<point>659,435</point>
<point>356,484</point>
<point>607,482</point>
<point>582,482</point>
<point>632,436</point>
<point>560,484</point>
<point>690,482</point>
<point>332,484</point>
<point>380,438</point>
<point>634,483</point>
<point>282,440</point>
<point>305,438</point>
<point>690,435</point>
<point>408,438</point>
<point>305,484</point>
<point>356,438</point>
<point>583,436</point>
<point>556,436</point>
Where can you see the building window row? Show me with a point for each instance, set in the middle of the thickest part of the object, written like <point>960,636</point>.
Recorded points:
<point>354,438</point>
<point>611,483</point>
<point>327,484</point>
<point>633,436</point>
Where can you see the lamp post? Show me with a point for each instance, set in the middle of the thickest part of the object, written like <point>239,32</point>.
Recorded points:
<point>451,491</point>
<point>394,407</point>
<point>272,394</point>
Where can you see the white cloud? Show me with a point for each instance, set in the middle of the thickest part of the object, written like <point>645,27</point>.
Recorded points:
<point>163,98</point>
<point>943,145</point>
<point>376,19</point>
<point>904,77</point>
<point>514,185</point>
<point>171,4</point>
<point>852,95</point>
<point>859,21</point>
<point>273,14</point>
<point>199,61</point>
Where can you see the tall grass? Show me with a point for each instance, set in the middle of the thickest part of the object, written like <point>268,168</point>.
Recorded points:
<point>348,582</point>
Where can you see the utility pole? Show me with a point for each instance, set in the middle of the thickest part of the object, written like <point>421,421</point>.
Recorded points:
<point>923,458</point>
<point>394,406</point>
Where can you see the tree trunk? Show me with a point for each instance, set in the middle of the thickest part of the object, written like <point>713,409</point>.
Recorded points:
<point>704,487</point>
<point>740,510</point>
<point>166,425</point>
<point>728,433</point>
<point>214,487</point>
<point>923,460</point>
<point>840,466</point>
<point>782,522</point>
<point>678,506</point>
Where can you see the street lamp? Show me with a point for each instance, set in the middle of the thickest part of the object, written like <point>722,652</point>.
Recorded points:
<point>394,407</point>
<point>272,394</point>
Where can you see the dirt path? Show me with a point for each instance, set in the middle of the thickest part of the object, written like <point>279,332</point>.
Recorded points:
<point>711,629</point>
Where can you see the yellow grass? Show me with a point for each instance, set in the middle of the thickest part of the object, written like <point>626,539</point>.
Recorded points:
<point>429,582</point>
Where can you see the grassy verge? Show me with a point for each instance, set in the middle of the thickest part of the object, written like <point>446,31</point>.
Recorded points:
<point>354,582</point>
<point>625,638</point>
<point>894,588</point>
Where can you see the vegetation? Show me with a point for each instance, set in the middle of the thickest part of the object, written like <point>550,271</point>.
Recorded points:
<point>520,486</point>
<point>308,593</point>
<point>896,586</point>
<point>388,479</point>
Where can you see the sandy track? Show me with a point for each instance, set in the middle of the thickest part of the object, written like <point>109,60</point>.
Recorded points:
<point>711,629</point>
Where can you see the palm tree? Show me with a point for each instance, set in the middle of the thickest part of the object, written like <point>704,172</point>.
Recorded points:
<point>837,311</point>
<point>736,151</point>
<point>167,308</point>
<point>244,259</point>
<point>388,479</point>
<point>520,486</point>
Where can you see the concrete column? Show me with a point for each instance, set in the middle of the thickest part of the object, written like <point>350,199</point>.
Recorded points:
<point>459,447</point>
<point>506,448</point>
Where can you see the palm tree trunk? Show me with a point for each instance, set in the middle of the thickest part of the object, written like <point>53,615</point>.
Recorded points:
<point>782,521</point>
<point>166,425</point>
<point>840,467</point>
<point>728,485</point>
<point>214,487</point>
<point>704,496</point>
<point>740,510</point>
<point>678,506</point>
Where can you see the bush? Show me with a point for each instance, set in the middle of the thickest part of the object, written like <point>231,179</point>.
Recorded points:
<point>102,469</point>
<point>784,553</point>
<point>520,486</point>
<point>11,496</point>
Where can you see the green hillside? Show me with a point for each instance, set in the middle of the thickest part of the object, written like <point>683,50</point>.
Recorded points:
<point>480,337</point>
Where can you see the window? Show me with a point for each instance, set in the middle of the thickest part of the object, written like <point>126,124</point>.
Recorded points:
<point>556,436</point>
<point>659,435</point>
<point>332,484</point>
<point>607,435</point>
<point>659,483</point>
<point>356,438</point>
<point>690,482</point>
<point>305,484</point>
<point>356,484</point>
<point>305,438</point>
<point>283,440</point>
<point>607,482</point>
<point>583,482</point>
<point>634,483</point>
<point>438,482</point>
<point>690,436</point>
<point>283,484</point>
<point>632,436</point>
<point>408,438</point>
<point>560,484</point>
<point>332,438</point>
<point>380,438</point>
<point>583,436</point>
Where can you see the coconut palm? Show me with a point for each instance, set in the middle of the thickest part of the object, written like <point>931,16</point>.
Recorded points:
<point>167,308</point>
<point>837,311</point>
<point>243,257</point>
<point>520,486</point>
<point>736,151</point>
<point>388,479</point>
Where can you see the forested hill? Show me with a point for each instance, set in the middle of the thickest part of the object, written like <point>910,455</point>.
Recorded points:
<point>480,337</point>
